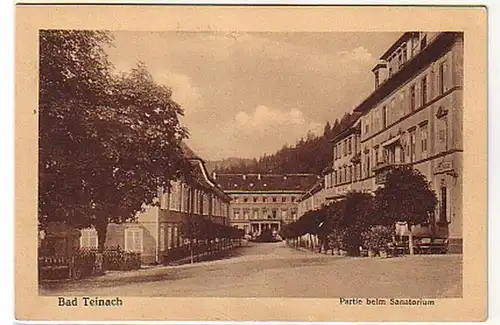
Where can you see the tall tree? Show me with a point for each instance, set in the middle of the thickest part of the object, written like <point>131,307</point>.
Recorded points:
<point>406,197</point>
<point>107,142</point>
<point>327,129</point>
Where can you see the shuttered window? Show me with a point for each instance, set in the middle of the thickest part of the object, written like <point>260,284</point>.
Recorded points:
<point>88,238</point>
<point>133,240</point>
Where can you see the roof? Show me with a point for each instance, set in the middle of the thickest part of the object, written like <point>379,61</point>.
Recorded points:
<point>265,182</point>
<point>403,38</point>
<point>435,48</point>
<point>317,186</point>
<point>188,152</point>
<point>200,174</point>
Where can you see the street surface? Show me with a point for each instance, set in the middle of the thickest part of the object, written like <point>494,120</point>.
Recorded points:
<point>274,270</point>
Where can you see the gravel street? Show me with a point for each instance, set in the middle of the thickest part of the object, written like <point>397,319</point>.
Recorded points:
<point>274,270</point>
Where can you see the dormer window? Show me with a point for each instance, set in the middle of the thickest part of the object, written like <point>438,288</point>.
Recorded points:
<point>377,79</point>
<point>423,42</point>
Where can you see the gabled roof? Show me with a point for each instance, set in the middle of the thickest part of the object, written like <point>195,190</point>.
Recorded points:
<point>188,152</point>
<point>200,174</point>
<point>266,182</point>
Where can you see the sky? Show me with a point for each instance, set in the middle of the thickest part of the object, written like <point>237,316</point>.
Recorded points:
<point>248,94</point>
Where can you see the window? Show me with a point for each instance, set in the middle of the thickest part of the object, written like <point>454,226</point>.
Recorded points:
<point>402,101</point>
<point>236,214</point>
<point>263,199</point>
<point>404,53</point>
<point>170,240</point>
<point>423,140</point>
<point>162,238</point>
<point>275,199</point>
<point>444,205</point>
<point>246,214</point>
<point>255,199</point>
<point>443,133</point>
<point>412,97</point>
<point>88,238</point>
<point>173,197</point>
<point>294,214</point>
<point>284,213</point>
<point>177,238</point>
<point>377,79</point>
<point>350,173</point>
<point>283,199</point>
<point>423,42</point>
<point>293,198</point>
<point>412,146</point>
<point>375,152</point>
<point>392,110</point>
<point>367,165</point>
<point>349,146</point>
<point>423,90</point>
<point>245,199</point>
<point>441,78</point>
<point>367,129</point>
<point>256,213</point>
<point>274,213</point>
<point>345,147</point>
<point>133,240</point>
<point>164,200</point>
<point>384,117</point>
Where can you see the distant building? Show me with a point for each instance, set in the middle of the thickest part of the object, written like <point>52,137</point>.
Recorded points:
<point>264,201</point>
<point>413,117</point>
<point>157,230</point>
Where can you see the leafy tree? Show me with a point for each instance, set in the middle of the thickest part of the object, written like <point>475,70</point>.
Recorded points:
<point>406,197</point>
<point>107,142</point>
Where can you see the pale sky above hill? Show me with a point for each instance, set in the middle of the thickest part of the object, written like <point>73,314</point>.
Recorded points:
<point>248,94</point>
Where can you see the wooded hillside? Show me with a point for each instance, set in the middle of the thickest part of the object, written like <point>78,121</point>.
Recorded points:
<point>311,154</point>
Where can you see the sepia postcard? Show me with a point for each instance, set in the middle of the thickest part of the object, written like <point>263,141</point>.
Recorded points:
<point>250,163</point>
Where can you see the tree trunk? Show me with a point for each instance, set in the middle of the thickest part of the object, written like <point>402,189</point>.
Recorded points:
<point>102,229</point>
<point>191,248</point>
<point>410,239</point>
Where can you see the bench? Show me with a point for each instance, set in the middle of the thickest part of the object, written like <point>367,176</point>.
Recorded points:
<point>431,246</point>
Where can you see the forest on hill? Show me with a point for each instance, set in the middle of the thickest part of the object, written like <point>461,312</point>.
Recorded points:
<point>311,154</point>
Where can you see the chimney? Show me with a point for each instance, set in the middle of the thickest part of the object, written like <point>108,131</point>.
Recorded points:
<point>258,177</point>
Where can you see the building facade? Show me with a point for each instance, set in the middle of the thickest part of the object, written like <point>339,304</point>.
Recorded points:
<point>157,230</point>
<point>413,117</point>
<point>266,201</point>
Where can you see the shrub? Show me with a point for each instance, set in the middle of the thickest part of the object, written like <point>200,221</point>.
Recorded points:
<point>377,238</point>
<point>116,259</point>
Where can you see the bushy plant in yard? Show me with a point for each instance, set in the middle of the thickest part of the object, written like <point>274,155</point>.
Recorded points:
<point>377,238</point>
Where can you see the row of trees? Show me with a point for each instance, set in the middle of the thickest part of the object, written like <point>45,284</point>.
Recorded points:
<point>405,197</point>
<point>309,155</point>
<point>107,141</point>
<point>197,228</point>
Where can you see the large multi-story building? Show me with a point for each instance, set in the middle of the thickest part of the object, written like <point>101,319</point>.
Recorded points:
<point>264,201</point>
<point>157,230</point>
<point>413,117</point>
